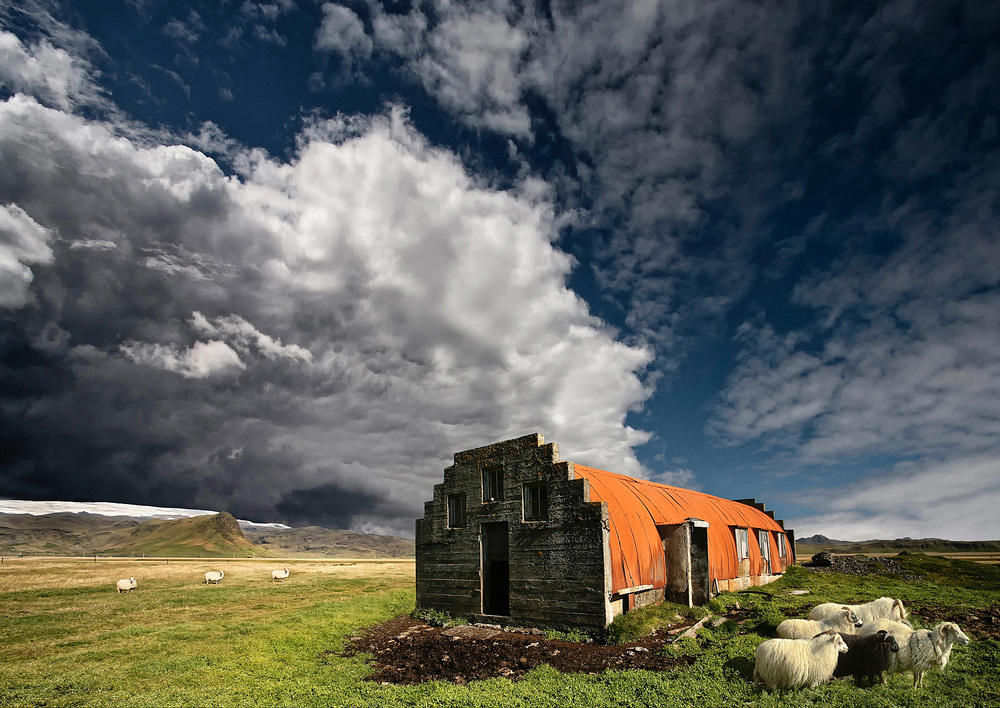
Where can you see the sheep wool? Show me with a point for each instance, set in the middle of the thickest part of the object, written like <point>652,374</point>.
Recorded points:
<point>844,621</point>
<point>867,657</point>
<point>921,649</point>
<point>279,574</point>
<point>126,585</point>
<point>882,608</point>
<point>215,576</point>
<point>782,664</point>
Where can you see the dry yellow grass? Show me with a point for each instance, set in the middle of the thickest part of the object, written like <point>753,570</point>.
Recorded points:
<point>17,574</point>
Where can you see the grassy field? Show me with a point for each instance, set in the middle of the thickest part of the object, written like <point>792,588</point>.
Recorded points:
<point>68,639</point>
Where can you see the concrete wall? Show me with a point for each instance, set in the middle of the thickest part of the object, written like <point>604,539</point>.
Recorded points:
<point>558,567</point>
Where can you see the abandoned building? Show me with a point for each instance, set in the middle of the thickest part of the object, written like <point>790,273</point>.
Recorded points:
<point>516,536</point>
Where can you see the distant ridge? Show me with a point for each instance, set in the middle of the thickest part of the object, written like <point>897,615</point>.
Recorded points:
<point>210,536</point>
<point>74,534</point>
<point>918,545</point>
<point>315,540</point>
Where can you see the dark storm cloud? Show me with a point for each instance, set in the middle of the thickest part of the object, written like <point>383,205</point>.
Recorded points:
<point>232,343</point>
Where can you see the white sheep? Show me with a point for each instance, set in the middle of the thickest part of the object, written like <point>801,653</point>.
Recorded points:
<point>279,574</point>
<point>126,585</point>
<point>920,649</point>
<point>882,608</point>
<point>215,576</point>
<point>844,621</point>
<point>795,663</point>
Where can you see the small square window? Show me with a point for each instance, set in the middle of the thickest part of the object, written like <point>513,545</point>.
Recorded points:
<point>536,502</point>
<point>492,484</point>
<point>456,510</point>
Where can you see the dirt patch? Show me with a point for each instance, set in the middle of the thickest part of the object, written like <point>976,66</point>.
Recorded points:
<point>407,651</point>
<point>977,624</point>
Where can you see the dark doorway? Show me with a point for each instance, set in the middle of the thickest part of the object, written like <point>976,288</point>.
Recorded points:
<point>685,556</point>
<point>700,590</point>
<point>496,569</point>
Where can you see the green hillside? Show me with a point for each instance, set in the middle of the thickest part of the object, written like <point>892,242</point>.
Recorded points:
<point>61,534</point>
<point>215,536</point>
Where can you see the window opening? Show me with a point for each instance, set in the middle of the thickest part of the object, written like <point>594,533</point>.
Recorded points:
<point>742,544</point>
<point>456,510</point>
<point>536,502</point>
<point>492,484</point>
<point>781,545</point>
<point>765,548</point>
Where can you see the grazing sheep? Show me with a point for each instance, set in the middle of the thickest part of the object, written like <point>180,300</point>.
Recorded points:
<point>882,608</point>
<point>844,621</point>
<point>923,649</point>
<point>126,585</point>
<point>794,663</point>
<point>215,576</point>
<point>279,574</point>
<point>867,657</point>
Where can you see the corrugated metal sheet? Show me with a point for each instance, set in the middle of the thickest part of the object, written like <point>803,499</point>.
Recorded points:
<point>636,507</point>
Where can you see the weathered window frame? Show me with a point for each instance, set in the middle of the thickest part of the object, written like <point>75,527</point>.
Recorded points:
<point>742,536</point>
<point>456,511</point>
<point>536,501</point>
<point>764,540</point>
<point>492,484</point>
<point>782,552</point>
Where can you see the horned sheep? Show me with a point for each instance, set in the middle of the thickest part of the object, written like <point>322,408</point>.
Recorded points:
<point>920,649</point>
<point>126,585</point>
<point>279,574</point>
<point>796,663</point>
<point>882,608</point>
<point>215,576</point>
<point>867,657</point>
<point>844,621</point>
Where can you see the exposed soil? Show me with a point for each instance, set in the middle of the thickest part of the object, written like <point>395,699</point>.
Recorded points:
<point>408,651</point>
<point>979,624</point>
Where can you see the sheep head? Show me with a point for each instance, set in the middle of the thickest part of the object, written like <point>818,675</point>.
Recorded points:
<point>948,633</point>
<point>888,640</point>
<point>834,638</point>
<point>851,617</point>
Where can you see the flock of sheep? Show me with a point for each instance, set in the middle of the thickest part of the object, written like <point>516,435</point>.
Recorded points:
<point>863,641</point>
<point>212,577</point>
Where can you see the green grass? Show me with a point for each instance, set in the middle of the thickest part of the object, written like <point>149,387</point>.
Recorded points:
<point>175,642</point>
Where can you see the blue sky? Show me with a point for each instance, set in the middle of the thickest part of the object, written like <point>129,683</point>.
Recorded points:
<point>284,259</point>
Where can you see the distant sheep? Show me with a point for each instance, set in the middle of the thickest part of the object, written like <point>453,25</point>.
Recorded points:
<point>844,621</point>
<point>279,574</point>
<point>867,657</point>
<point>882,608</point>
<point>797,663</point>
<point>921,649</point>
<point>215,576</point>
<point>126,585</point>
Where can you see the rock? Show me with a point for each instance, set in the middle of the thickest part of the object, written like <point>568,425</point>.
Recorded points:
<point>823,559</point>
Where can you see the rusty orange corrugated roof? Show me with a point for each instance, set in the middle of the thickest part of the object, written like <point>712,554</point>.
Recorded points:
<point>637,506</point>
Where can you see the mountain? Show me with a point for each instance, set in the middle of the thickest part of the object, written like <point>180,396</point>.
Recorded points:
<point>818,542</point>
<point>72,534</point>
<point>315,540</point>
<point>76,534</point>
<point>211,536</point>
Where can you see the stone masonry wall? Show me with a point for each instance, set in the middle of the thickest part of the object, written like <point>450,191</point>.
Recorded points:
<point>558,566</point>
